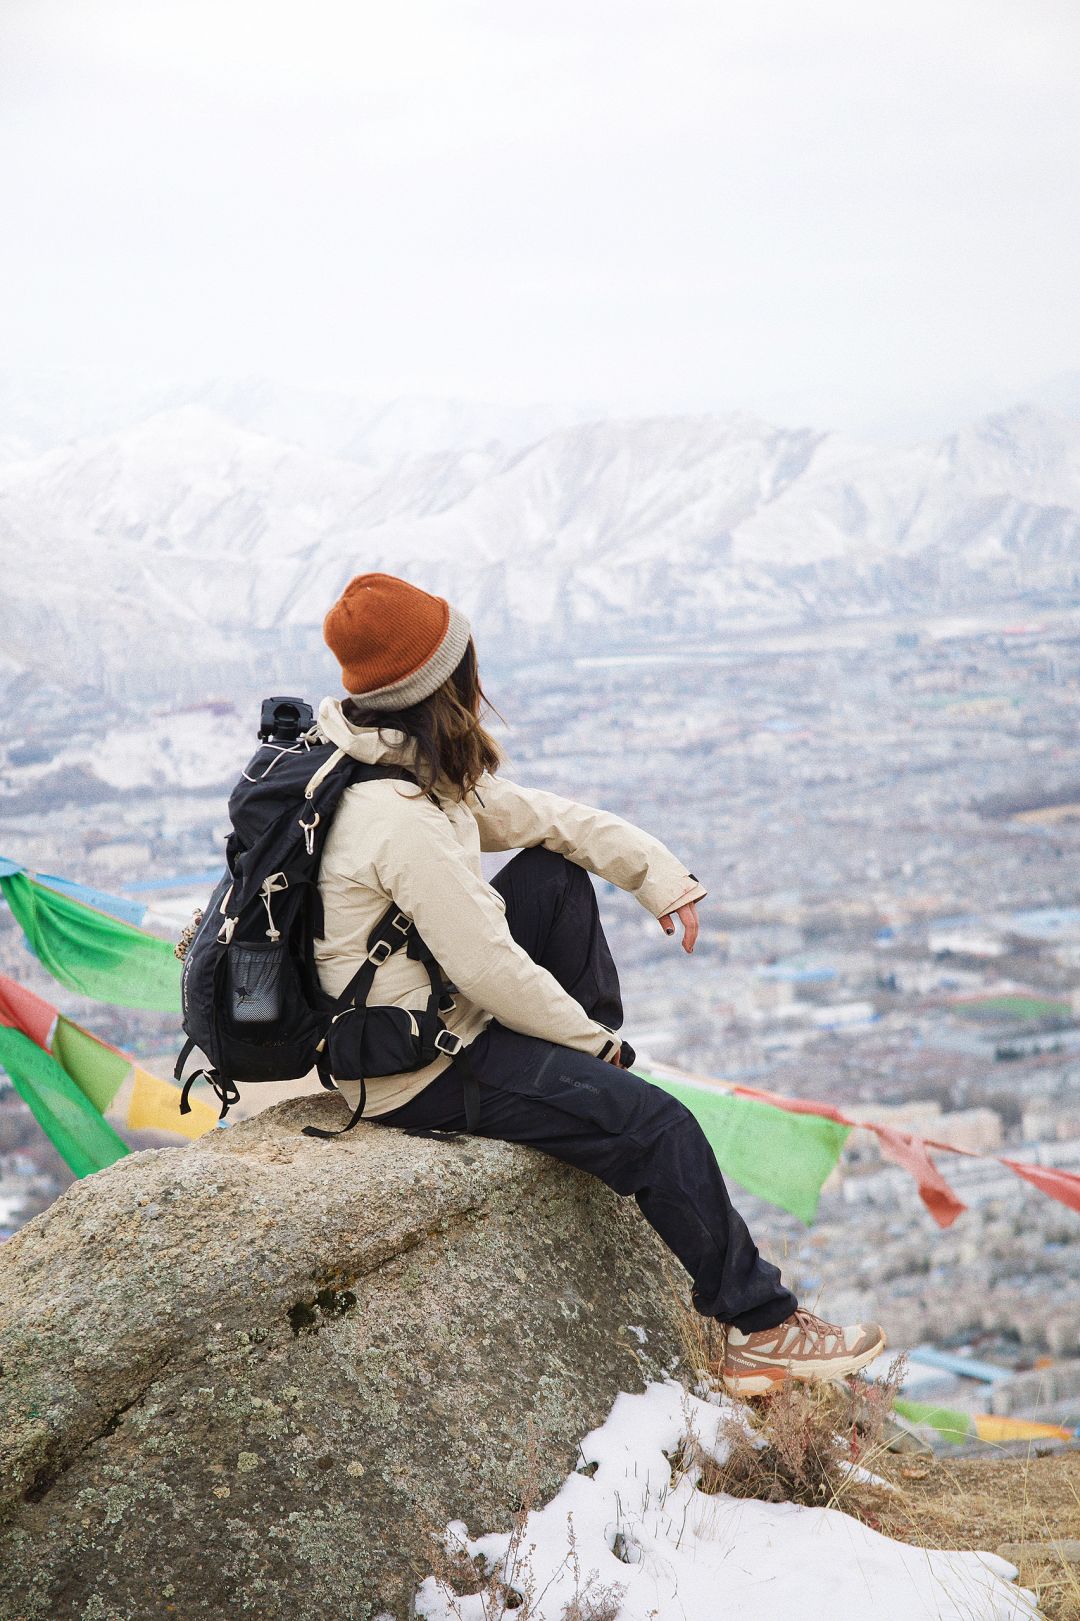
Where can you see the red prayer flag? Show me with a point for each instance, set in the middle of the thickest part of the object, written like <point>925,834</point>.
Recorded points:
<point>1063,1185</point>
<point>912,1154</point>
<point>22,1009</point>
<point>796,1105</point>
<point>901,1147</point>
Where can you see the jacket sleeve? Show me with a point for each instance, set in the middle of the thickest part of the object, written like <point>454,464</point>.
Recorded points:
<point>513,818</point>
<point>424,869</point>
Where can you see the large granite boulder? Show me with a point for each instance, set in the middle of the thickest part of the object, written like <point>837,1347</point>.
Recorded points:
<point>251,1376</point>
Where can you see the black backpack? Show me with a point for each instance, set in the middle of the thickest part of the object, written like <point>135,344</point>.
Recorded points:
<point>252,1002</point>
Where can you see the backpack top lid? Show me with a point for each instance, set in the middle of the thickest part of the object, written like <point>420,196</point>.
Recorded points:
<point>273,782</point>
<point>283,805</point>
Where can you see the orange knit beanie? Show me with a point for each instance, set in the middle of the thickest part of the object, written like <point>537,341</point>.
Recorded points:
<point>395,643</point>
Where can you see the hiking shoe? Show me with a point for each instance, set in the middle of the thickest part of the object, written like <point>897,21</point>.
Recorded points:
<point>801,1347</point>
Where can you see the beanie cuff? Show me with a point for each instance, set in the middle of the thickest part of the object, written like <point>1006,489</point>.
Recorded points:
<point>421,683</point>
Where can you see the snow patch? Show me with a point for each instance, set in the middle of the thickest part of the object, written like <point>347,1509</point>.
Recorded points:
<point>678,1554</point>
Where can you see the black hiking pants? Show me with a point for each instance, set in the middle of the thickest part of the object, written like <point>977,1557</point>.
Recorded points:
<point>633,1136</point>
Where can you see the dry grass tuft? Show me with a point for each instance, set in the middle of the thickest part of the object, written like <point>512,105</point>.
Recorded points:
<point>454,1569</point>
<point>805,1443</point>
<point>802,1446</point>
<point>591,1601</point>
<point>511,1590</point>
<point>506,1590</point>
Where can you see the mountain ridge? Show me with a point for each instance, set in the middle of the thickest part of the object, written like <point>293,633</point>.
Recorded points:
<point>185,532</point>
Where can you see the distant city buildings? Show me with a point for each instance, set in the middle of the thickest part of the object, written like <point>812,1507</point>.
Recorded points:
<point>886,817</point>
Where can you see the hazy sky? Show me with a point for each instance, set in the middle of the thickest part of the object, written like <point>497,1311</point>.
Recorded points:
<point>847,213</point>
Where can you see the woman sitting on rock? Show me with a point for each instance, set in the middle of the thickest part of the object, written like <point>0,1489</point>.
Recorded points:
<point>536,993</point>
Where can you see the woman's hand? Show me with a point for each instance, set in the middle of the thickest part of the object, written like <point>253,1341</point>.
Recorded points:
<point>618,1052</point>
<point>689,917</point>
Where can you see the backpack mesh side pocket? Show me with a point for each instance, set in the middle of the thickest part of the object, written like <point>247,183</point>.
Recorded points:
<point>255,982</point>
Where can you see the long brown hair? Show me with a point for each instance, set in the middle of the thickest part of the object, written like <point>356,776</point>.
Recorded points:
<point>445,727</point>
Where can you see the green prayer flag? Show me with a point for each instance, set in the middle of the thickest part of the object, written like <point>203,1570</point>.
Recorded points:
<point>784,1158</point>
<point>91,953</point>
<point>84,1140</point>
<point>950,1424</point>
<point>96,1070</point>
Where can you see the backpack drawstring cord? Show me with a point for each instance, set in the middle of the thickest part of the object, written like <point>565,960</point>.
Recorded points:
<point>303,745</point>
<point>272,885</point>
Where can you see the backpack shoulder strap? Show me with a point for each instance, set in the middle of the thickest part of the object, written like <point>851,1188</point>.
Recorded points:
<point>390,933</point>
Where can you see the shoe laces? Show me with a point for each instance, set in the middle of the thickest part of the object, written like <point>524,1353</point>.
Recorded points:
<point>813,1327</point>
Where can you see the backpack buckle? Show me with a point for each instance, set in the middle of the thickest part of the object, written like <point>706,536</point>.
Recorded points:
<point>379,952</point>
<point>448,1043</point>
<point>401,923</point>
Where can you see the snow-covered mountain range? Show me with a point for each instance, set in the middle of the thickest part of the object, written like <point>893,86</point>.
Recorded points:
<point>194,548</point>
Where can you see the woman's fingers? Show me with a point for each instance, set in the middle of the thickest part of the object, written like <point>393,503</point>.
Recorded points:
<point>690,925</point>
<point>689,918</point>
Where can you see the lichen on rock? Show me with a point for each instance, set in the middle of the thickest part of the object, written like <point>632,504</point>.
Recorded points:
<point>263,1402</point>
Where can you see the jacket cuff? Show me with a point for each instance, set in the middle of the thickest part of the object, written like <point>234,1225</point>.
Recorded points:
<point>696,892</point>
<point>610,1043</point>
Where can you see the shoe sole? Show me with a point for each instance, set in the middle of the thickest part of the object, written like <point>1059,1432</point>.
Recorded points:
<point>761,1381</point>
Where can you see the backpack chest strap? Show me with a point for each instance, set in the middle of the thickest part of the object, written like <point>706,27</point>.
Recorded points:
<point>389,935</point>
<point>394,930</point>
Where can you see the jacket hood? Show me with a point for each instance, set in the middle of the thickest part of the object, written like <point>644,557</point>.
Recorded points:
<point>372,744</point>
<point>376,745</point>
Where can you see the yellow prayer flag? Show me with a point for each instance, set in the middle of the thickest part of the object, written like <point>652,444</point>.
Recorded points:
<point>155,1106</point>
<point>996,1427</point>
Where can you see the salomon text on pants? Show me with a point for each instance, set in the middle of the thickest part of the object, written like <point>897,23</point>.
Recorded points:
<point>591,1114</point>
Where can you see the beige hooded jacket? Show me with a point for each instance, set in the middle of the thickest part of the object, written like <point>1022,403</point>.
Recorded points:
<point>389,843</point>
